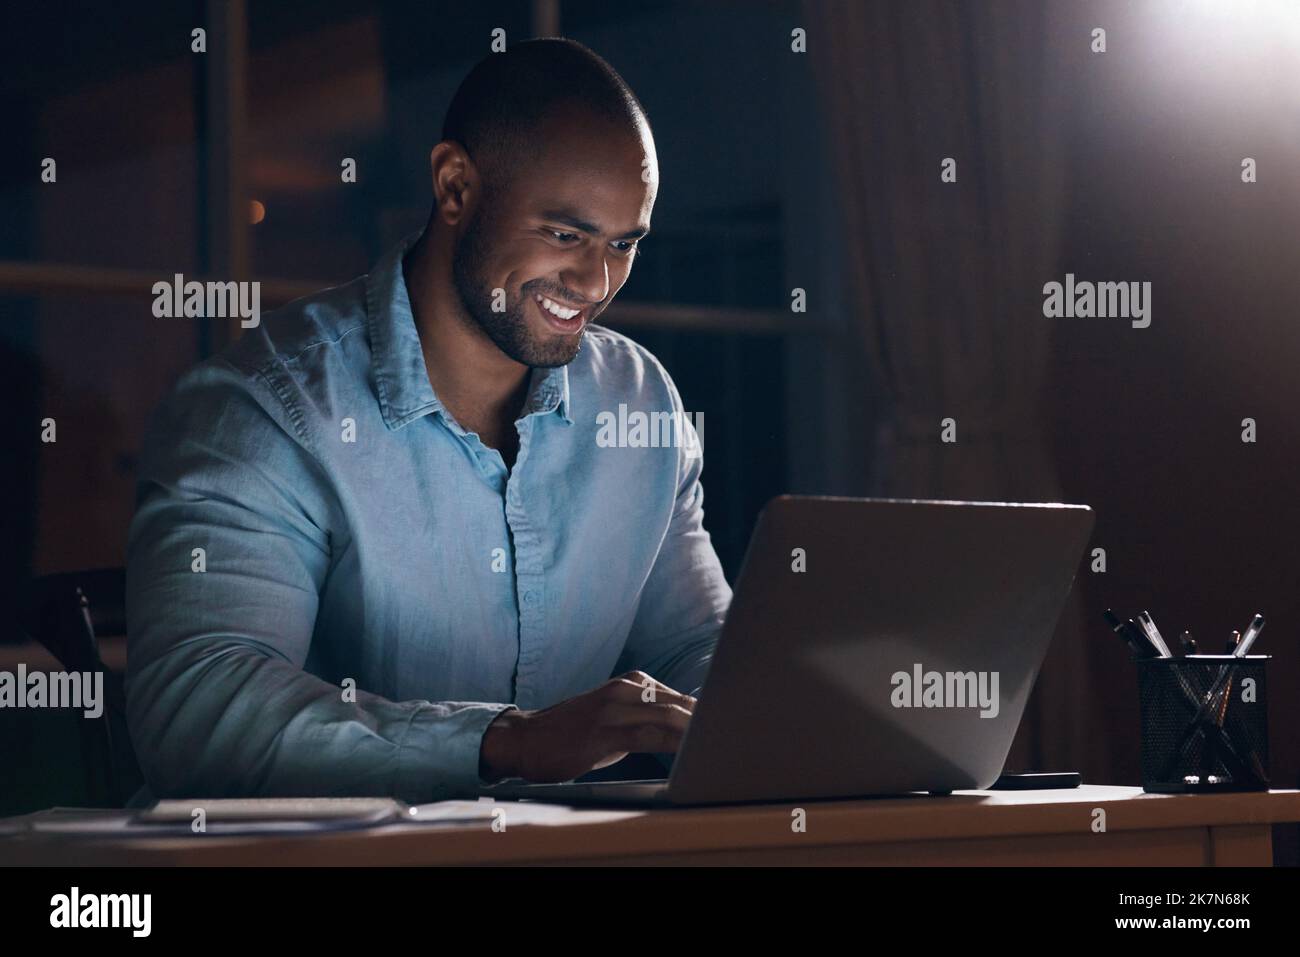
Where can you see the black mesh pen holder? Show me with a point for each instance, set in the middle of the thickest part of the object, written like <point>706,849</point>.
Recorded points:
<point>1204,723</point>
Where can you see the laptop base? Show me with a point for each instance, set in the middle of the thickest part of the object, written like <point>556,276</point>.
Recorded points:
<point>646,793</point>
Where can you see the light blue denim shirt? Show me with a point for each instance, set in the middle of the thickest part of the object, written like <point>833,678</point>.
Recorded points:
<point>374,586</point>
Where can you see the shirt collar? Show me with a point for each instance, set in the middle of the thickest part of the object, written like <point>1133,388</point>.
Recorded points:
<point>397,361</point>
<point>548,391</point>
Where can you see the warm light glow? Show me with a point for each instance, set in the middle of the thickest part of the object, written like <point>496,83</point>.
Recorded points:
<point>256,212</point>
<point>1233,63</point>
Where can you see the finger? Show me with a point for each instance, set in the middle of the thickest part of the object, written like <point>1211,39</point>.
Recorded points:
<point>626,693</point>
<point>643,680</point>
<point>642,727</point>
<point>653,738</point>
<point>630,715</point>
<point>662,693</point>
<point>657,740</point>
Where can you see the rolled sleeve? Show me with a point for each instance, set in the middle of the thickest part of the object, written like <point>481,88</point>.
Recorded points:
<point>440,753</point>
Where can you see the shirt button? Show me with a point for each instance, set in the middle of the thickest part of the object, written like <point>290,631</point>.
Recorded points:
<point>531,597</point>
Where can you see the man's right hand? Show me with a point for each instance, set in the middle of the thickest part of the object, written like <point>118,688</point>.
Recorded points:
<point>580,734</point>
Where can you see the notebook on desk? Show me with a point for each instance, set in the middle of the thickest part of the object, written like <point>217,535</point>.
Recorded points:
<point>284,815</point>
<point>873,647</point>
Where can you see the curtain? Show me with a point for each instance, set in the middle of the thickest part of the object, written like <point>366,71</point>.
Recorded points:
<point>944,279</point>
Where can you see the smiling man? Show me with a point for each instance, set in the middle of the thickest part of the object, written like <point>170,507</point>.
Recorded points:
<point>378,548</point>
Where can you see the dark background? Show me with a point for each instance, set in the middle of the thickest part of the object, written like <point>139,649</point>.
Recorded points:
<point>779,170</point>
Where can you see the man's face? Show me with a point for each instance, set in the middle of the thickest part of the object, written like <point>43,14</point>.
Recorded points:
<point>559,238</point>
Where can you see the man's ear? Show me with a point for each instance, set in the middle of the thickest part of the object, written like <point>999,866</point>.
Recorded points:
<point>455,182</point>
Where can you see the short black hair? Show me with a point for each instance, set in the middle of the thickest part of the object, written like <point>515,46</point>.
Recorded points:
<point>506,95</point>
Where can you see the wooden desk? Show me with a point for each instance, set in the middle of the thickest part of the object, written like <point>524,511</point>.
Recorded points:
<point>967,828</point>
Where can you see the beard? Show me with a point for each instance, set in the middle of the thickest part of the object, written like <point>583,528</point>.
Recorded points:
<point>510,329</point>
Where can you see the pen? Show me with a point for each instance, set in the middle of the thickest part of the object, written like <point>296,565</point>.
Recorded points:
<point>1153,634</point>
<point>1188,643</point>
<point>1234,640</point>
<point>1223,706</point>
<point>1256,626</point>
<point>1122,629</point>
<point>1142,638</point>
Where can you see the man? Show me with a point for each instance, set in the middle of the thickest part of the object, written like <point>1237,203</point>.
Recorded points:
<point>378,547</point>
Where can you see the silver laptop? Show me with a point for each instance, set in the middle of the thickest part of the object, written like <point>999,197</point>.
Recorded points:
<point>873,647</point>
